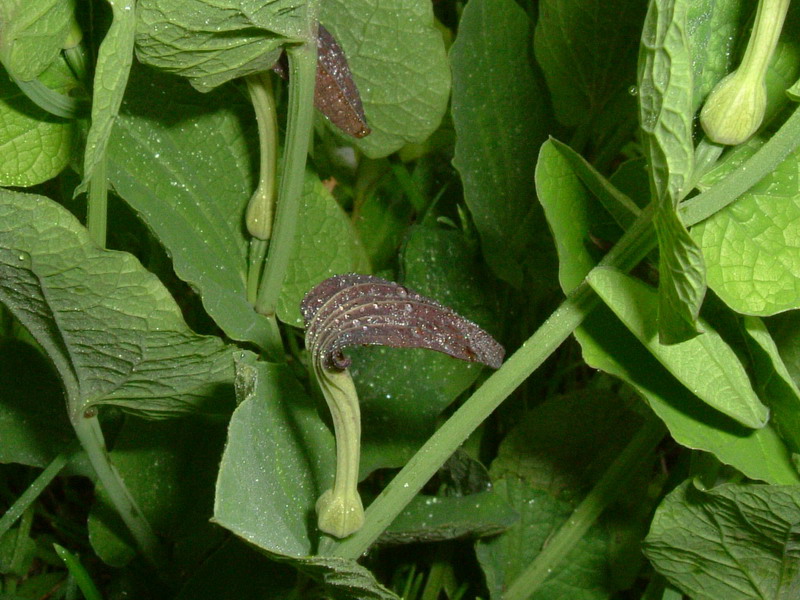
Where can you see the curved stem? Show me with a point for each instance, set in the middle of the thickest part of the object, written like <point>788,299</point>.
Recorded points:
<point>302,81</point>
<point>339,508</point>
<point>262,204</point>
<point>764,38</point>
<point>87,428</point>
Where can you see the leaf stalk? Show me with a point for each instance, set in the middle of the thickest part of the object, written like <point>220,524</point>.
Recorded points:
<point>303,69</point>
<point>90,435</point>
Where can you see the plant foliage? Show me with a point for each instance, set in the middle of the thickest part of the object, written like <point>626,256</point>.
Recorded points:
<point>534,171</point>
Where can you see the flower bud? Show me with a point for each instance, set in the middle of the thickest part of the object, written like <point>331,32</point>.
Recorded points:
<point>735,107</point>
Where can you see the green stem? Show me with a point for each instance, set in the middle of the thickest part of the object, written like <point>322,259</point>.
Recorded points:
<point>30,495</point>
<point>261,207</point>
<point>769,156</point>
<point>19,553</point>
<point>633,246</point>
<point>603,493</point>
<point>87,428</point>
<point>764,38</point>
<point>339,509</point>
<point>79,573</point>
<point>97,204</point>
<point>302,81</point>
<point>256,254</point>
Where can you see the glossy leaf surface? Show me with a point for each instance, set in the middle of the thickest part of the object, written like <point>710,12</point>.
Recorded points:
<point>500,122</point>
<point>130,347</point>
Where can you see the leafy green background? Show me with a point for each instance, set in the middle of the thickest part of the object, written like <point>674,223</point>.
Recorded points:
<point>567,143</point>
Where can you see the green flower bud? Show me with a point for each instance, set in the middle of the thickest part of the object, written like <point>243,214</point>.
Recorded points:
<point>735,107</point>
<point>259,212</point>
<point>260,209</point>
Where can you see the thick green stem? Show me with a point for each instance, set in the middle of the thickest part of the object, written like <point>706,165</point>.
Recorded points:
<point>87,428</point>
<point>604,492</point>
<point>769,156</point>
<point>766,32</point>
<point>97,204</point>
<point>30,495</point>
<point>633,246</point>
<point>302,80</point>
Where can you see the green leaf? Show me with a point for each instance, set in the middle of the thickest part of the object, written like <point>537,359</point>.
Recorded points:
<point>399,64</point>
<point>665,106</point>
<point>587,51</point>
<point>181,160</point>
<point>438,518</point>
<point>557,452</point>
<point>395,53</point>
<point>111,328</point>
<point>153,459</point>
<point>35,145</point>
<point>583,576</point>
<point>381,220</point>
<point>237,566</point>
<point>609,346</point>
<point>401,392</point>
<point>618,205</point>
<point>713,28</point>
<point>631,178</point>
<point>279,454</point>
<point>564,445</point>
<point>759,454</point>
<point>113,66</point>
<point>571,212</point>
<point>346,579</point>
<point>794,91</point>
<point>706,364</point>
<point>682,279</point>
<point>775,384</point>
<point>325,245</point>
<point>411,387</point>
<point>734,541</point>
<point>751,247</point>
<point>33,423</point>
<point>213,42</point>
<point>665,99</point>
<point>277,461</point>
<point>32,33</point>
<point>500,122</point>
<point>785,330</point>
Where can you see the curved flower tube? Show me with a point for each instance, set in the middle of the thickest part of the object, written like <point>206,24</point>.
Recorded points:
<point>350,310</point>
